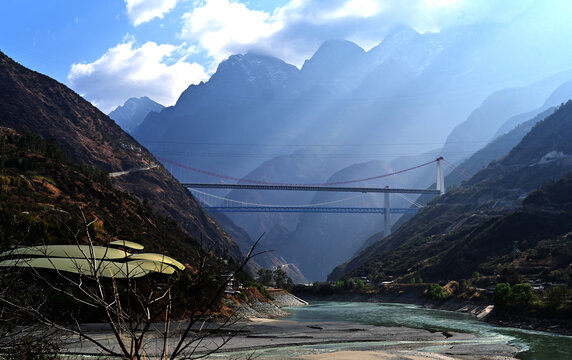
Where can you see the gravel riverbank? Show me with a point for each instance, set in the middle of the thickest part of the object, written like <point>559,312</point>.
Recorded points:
<point>285,339</point>
<point>255,334</point>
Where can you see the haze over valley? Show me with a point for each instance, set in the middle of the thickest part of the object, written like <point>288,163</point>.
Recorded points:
<point>348,113</point>
<point>352,150</point>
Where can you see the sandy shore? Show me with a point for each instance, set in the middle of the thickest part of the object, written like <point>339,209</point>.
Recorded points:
<point>386,355</point>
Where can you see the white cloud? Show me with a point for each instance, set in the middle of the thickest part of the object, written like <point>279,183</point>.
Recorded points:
<point>221,26</point>
<point>141,11</point>
<point>157,71</point>
<point>354,8</point>
<point>295,31</point>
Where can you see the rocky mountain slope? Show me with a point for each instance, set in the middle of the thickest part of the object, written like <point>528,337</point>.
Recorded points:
<point>477,226</point>
<point>29,100</point>
<point>47,199</point>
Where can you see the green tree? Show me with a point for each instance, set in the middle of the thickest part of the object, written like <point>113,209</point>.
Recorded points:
<point>265,277</point>
<point>511,276</point>
<point>522,295</point>
<point>436,292</point>
<point>502,295</point>
<point>281,280</point>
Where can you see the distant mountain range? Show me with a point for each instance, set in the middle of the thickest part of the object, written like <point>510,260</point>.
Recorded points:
<point>398,90</point>
<point>129,115</point>
<point>260,118</point>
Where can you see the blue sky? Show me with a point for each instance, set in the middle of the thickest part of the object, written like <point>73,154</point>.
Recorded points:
<point>110,50</point>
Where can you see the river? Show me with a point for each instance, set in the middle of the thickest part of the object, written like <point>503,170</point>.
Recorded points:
<point>534,344</point>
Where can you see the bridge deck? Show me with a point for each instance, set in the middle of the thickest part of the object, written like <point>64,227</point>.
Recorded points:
<point>309,209</point>
<point>310,188</point>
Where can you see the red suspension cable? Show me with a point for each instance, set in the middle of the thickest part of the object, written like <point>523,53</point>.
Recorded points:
<point>273,183</point>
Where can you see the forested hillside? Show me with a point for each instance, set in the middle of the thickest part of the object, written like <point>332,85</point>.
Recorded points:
<point>519,204</point>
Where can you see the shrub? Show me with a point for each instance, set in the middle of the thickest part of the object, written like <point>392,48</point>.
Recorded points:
<point>436,292</point>
<point>33,349</point>
<point>556,296</point>
<point>261,288</point>
<point>339,284</point>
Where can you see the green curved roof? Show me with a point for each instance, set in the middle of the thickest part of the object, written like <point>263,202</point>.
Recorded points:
<point>70,251</point>
<point>127,244</point>
<point>158,258</point>
<point>105,268</point>
<point>78,258</point>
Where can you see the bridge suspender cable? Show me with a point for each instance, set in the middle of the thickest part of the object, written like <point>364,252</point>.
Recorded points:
<point>457,170</point>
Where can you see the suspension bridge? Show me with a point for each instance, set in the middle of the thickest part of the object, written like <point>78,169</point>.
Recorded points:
<point>213,203</point>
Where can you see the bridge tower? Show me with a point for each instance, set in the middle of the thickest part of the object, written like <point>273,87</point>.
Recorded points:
<point>387,214</point>
<point>440,178</point>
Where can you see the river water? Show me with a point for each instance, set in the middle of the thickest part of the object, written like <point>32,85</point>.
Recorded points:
<point>534,344</point>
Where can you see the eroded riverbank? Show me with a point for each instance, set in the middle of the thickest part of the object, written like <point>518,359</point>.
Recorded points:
<point>481,308</point>
<point>533,344</point>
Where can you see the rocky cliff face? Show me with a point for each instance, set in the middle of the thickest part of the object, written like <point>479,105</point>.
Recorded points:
<point>44,106</point>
